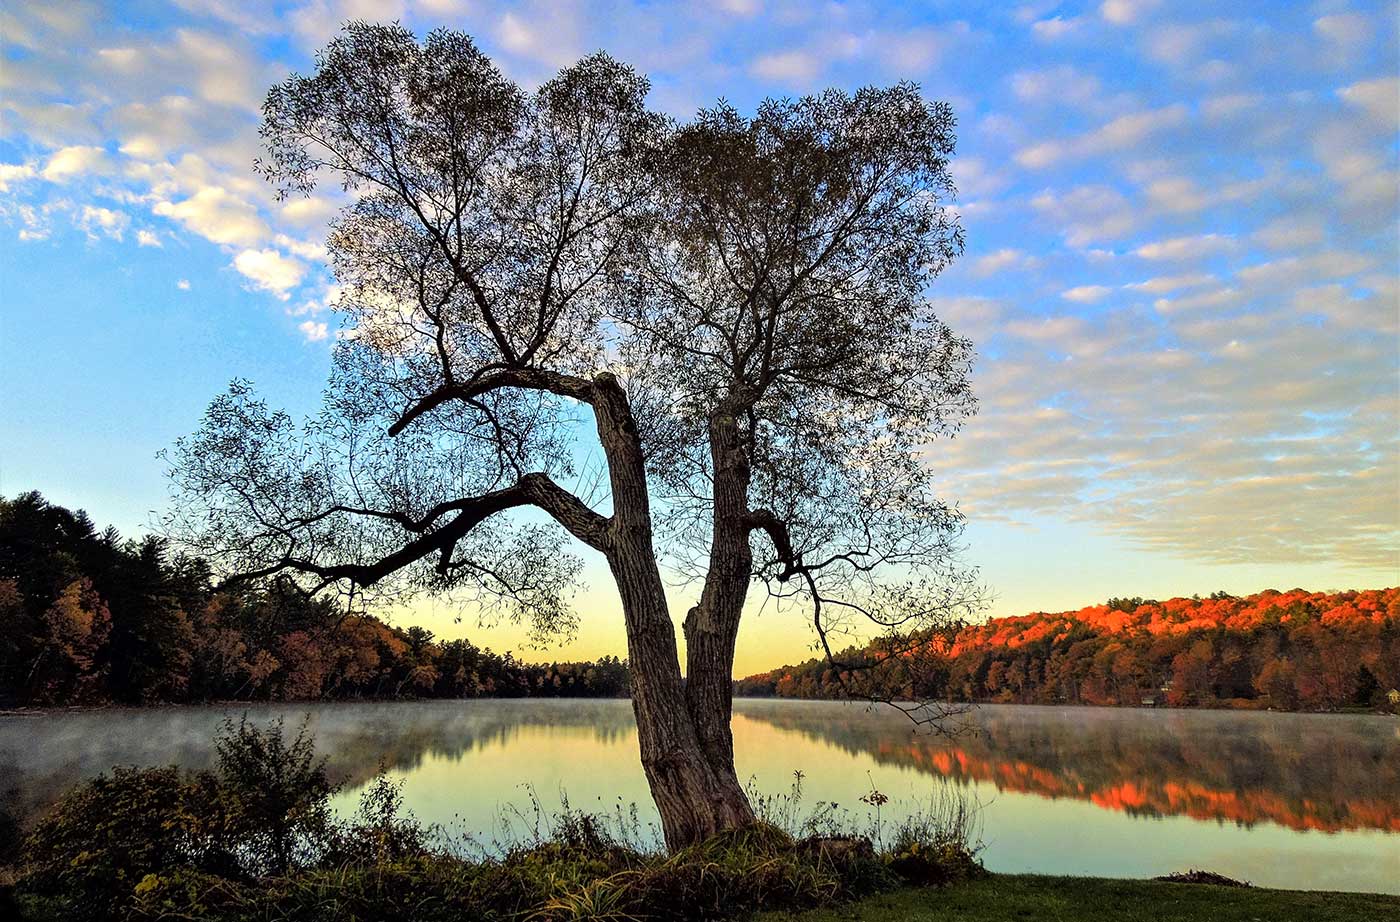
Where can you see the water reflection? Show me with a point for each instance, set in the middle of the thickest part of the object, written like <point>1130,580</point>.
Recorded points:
<point>1283,799</point>
<point>1305,771</point>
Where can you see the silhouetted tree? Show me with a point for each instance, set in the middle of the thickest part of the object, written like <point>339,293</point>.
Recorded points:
<point>735,305</point>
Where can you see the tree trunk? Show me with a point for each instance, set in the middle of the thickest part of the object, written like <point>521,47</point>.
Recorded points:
<point>712,626</point>
<point>695,795</point>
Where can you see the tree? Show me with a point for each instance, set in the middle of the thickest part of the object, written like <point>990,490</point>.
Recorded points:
<point>733,307</point>
<point>77,625</point>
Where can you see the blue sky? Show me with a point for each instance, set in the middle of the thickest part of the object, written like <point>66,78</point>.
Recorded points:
<point>1181,268</point>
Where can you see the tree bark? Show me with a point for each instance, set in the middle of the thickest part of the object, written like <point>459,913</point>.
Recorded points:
<point>697,793</point>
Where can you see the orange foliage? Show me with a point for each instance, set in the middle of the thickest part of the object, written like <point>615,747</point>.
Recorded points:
<point>1295,649</point>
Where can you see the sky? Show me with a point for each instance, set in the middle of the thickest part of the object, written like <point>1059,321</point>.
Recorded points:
<point>1180,274</point>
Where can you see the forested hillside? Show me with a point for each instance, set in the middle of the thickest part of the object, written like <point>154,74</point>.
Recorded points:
<point>89,618</point>
<point>1293,650</point>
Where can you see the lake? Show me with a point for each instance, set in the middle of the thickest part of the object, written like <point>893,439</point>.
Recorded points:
<point>1308,801</point>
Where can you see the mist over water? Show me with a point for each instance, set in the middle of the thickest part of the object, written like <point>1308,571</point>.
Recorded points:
<point>1305,801</point>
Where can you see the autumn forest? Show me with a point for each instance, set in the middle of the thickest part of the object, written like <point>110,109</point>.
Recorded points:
<point>1291,650</point>
<point>91,618</point>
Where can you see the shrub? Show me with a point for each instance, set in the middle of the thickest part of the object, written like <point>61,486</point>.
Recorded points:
<point>277,793</point>
<point>379,833</point>
<point>11,835</point>
<point>105,836</point>
<point>934,847</point>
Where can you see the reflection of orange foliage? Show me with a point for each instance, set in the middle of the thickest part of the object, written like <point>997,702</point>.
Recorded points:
<point>1125,796</point>
<point>1141,796</point>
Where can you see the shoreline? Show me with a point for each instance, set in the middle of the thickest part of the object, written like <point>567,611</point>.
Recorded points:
<point>42,711</point>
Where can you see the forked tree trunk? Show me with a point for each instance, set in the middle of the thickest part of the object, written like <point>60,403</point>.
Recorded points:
<point>696,789</point>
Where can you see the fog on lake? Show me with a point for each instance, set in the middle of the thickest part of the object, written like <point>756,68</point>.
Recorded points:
<point>1307,801</point>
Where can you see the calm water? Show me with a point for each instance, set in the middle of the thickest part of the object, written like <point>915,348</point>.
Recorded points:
<point>1284,800</point>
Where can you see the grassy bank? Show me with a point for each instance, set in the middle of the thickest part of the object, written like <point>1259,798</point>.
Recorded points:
<point>1002,897</point>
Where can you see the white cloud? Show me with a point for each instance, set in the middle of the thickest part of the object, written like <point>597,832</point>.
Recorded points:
<point>1129,130</point>
<point>544,35</point>
<point>1379,98</point>
<point>216,214</point>
<point>1231,105</point>
<point>316,21</point>
<point>183,284</point>
<point>913,52</point>
<point>1122,133</point>
<point>1003,260</point>
<point>313,330</point>
<point>75,161</point>
<point>1177,194</point>
<point>1183,248</point>
<point>1296,270</point>
<point>1370,313</point>
<point>514,34</point>
<point>223,73</point>
<point>1088,214</point>
<point>1059,85</point>
<point>270,271</point>
<point>1086,294</point>
<point>1219,298</point>
<point>1347,30</point>
<point>1056,28</point>
<point>975,178</point>
<point>147,238</point>
<point>1165,283</point>
<point>247,16</point>
<point>309,211</point>
<point>1060,331</point>
<point>1292,233</point>
<point>1182,45</point>
<point>307,249</point>
<point>325,301</point>
<point>14,173</point>
<point>787,66</point>
<point>740,7</point>
<point>102,222</point>
<point>1125,12</point>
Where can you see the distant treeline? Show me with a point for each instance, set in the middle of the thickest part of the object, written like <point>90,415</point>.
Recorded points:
<point>89,618</point>
<point>1292,650</point>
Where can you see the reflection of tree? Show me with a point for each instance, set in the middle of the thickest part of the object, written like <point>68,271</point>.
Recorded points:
<point>1305,772</point>
<point>47,755</point>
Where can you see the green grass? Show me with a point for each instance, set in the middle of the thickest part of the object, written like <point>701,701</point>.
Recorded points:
<point>1006,898</point>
